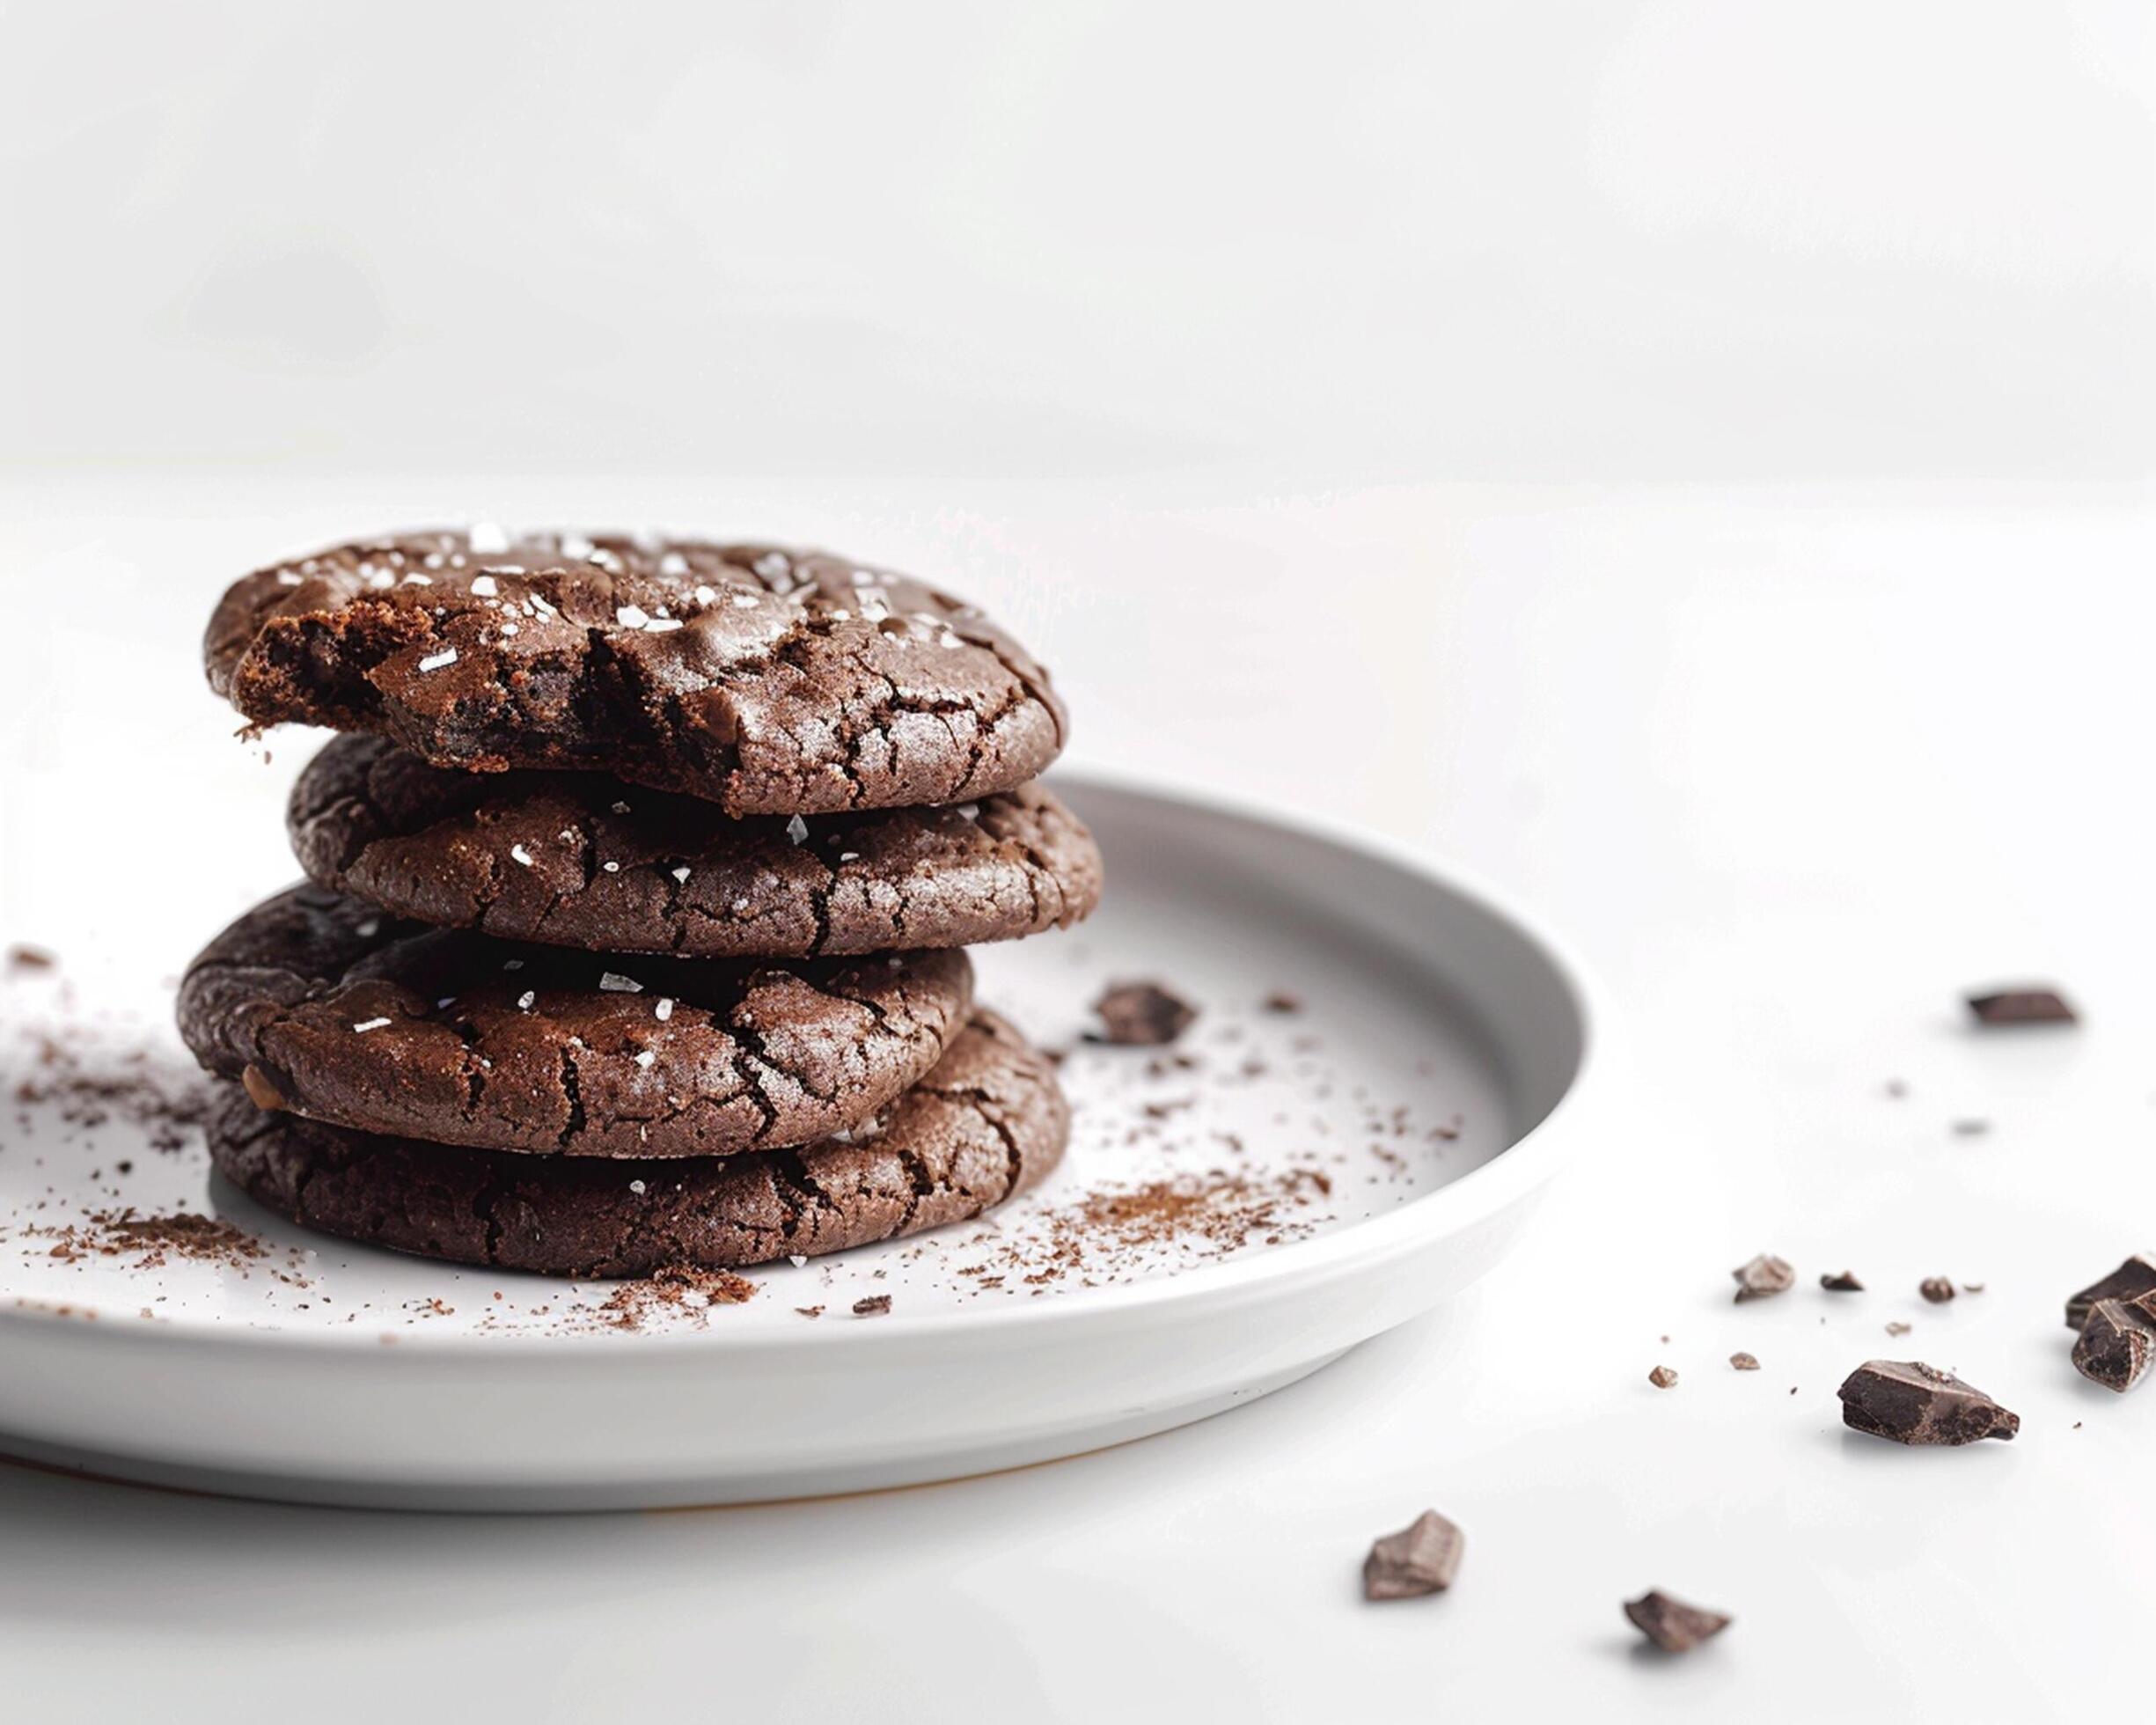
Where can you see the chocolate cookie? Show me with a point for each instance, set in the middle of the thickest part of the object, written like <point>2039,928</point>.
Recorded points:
<point>327,1007</point>
<point>985,1123</point>
<point>575,859</point>
<point>772,682</point>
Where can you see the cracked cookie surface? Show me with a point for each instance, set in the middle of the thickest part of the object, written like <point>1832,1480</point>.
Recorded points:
<point>766,681</point>
<point>987,1122</point>
<point>328,1007</point>
<point>576,859</point>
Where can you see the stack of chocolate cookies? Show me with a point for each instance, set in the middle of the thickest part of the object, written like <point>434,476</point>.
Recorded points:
<point>637,896</point>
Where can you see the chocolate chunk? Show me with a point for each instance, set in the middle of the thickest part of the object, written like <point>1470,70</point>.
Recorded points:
<point>1670,1624</point>
<point>874,1306</point>
<point>1937,1290</point>
<point>1911,1402</point>
<point>1844,1283</point>
<point>2132,1278</point>
<point>2116,1343</point>
<point>1142,1015</point>
<point>1744,1361</point>
<point>2021,1006</point>
<point>1765,1274</point>
<point>1421,1558</point>
<point>1662,1379</point>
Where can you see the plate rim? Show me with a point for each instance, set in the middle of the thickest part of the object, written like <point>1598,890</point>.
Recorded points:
<point>1508,1176</point>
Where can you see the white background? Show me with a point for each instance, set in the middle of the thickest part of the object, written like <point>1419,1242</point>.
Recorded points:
<point>1579,239</point>
<point>1687,462</point>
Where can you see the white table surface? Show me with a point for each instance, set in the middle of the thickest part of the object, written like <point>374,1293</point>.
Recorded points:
<point>1790,770</point>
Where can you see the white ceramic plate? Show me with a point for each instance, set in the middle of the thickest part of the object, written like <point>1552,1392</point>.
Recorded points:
<point>1348,1165</point>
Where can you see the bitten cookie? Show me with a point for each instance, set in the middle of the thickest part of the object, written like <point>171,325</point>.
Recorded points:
<point>988,1121</point>
<point>328,1007</point>
<point>769,681</point>
<point>575,859</point>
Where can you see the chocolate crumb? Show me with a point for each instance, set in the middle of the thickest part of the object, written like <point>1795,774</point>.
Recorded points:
<point>158,1239</point>
<point>1744,1361</point>
<point>1846,1282</point>
<point>1970,1129</point>
<point>1142,1015</point>
<point>874,1306</point>
<point>1421,1558</point>
<point>809,1312</point>
<point>676,1289</point>
<point>1896,1088</point>
<point>1662,1379</point>
<point>719,1288</point>
<point>1910,1402</point>
<point>2021,1006</point>
<point>1897,1328</point>
<point>1281,1001</point>
<point>2132,1278</point>
<point>1767,1274</point>
<point>88,1088</point>
<point>1670,1624</point>
<point>1937,1290</point>
<point>23,955</point>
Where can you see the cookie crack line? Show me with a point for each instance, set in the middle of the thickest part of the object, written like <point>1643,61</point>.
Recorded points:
<point>572,1090</point>
<point>985,1107</point>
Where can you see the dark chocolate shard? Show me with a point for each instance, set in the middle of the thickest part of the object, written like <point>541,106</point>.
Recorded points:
<point>1421,1558</point>
<point>1662,1377</point>
<point>1670,1624</point>
<point>2022,1006</point>
<point>1911,1402</point>
<point>2117,1342</point>
<point>1142,1015</point>
<point>2132,1280</point>
<point>1846,1282</point>
<point>874,1306</point>
<point>1765,1274</point>
<point>1937,1290</point>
